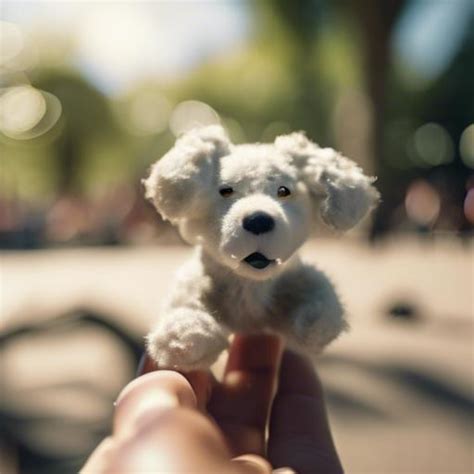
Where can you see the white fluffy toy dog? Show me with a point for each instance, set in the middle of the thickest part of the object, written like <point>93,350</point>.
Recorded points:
<point>248,209</point>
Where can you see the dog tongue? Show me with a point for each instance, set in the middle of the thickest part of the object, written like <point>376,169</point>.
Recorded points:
<point>257,260</point>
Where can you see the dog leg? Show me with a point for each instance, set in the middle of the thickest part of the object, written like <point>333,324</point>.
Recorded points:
<point>313,326</point>
<point>186,339</point>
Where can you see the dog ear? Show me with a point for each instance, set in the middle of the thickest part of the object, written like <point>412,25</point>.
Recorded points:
<point>179,183</point>
<point>345,193</point>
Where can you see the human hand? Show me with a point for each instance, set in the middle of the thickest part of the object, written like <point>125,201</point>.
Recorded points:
<point>168,422</point>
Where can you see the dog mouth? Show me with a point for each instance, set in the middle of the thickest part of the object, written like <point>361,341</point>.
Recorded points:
<point>258,261</point>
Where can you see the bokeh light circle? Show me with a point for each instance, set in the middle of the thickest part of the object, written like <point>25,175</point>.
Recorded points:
<point>433,145</point>
<point>469,206</point>
<point>422,203</point>
<point>190,114</point>
<point>149,113</point>
<point>466,146</point>
<point>26,112</point>
<point>11,42</point>
<point>273,130</point>
<point>21,108</point>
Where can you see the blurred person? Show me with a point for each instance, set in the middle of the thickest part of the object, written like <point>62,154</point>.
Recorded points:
<point>167,422</point>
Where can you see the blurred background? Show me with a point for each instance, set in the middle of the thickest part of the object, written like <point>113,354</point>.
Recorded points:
<point>92,93</point>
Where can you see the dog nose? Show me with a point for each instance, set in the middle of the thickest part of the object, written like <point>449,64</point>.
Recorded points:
<point>258,223</point>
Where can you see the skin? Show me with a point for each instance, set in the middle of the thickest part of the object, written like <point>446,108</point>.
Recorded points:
<point>169,422</point>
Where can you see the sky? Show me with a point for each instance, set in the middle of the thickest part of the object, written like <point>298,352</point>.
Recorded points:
<point>119,43</point>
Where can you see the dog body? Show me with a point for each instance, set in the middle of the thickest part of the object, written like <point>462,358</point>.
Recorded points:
<point>248,209</point>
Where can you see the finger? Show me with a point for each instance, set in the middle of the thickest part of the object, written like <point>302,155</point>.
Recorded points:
<point>146,365</point>
<point>151,393</point>
<point>201,381</point>
<point>254,352</point>
<point>99,458</point>
<point>156,422</point>
<point>252,464</point>
<point>184,432</point>
<point>240,404</point>
<point>299,435</point>
<point>250,377</point>
<point>171,441</point>
<point>175,441</point>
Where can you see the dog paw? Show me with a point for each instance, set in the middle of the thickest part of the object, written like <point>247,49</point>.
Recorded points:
<point>186,339</point>
<point>316,326</point>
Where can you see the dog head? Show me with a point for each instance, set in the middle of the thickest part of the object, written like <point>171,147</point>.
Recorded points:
<point>252,206</point>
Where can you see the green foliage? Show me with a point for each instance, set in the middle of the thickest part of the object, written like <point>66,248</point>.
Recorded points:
<point>300,59</point>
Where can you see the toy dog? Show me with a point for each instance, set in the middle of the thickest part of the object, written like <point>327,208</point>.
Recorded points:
<point>248,209</point>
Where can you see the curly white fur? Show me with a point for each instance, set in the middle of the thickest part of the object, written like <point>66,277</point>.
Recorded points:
<point>245,275</point>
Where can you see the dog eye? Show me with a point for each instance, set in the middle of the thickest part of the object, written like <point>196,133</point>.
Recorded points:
<point>283,191</point>
<point>226,192</point>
